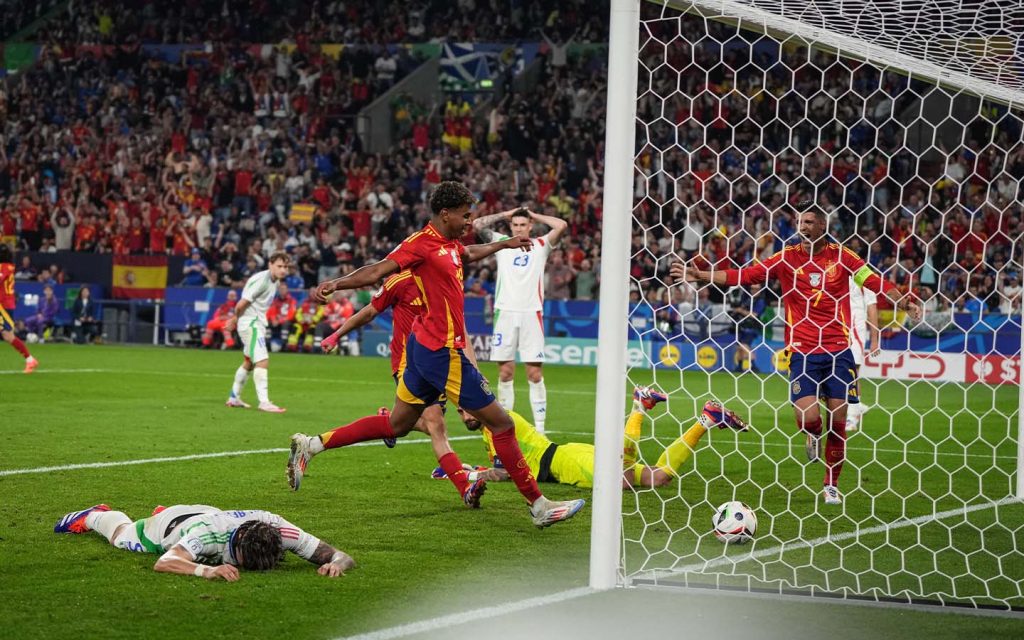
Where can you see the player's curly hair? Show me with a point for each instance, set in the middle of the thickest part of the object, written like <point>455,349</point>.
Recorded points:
<point>450,195</point>
<point>258,545</point>
<point>280,255</point>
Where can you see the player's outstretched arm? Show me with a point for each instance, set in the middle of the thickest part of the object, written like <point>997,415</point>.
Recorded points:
<point>361,277</point>
<point>475,252</point>
<point>362,318</point>
<point>177,560</point>
<point>331,562</point>
<point>683,272</point>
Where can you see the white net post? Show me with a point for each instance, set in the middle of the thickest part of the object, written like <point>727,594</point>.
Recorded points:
<point>903,119</point>
<point>605,546</point>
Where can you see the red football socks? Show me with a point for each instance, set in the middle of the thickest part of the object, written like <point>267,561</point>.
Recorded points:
<point>19,346</point>
<point>453,467</point>
<point>835,451</point>
<point>507,449</point>
<point>812,427</point>
<point>363,429</point>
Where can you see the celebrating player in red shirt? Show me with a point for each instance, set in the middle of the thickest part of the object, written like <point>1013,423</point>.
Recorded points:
<point>815,280</point>
<point>402,296</point>
<point>435,362</point>
<point>7,304</point>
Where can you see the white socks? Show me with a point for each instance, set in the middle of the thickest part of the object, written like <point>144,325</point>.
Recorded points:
<point>259,377</point>
<point>241,377</point>
<point>106,523</point>
<point>539,403</point>
<point>507,394</point>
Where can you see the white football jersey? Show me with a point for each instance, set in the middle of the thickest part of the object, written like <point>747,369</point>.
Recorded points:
<point>259,291</point>
<point>860,298</point>
<point>521,276</point>
<point>205,532</point>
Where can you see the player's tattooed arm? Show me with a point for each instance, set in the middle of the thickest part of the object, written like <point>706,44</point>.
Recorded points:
<point>332,562</point>
<point>481,224</point>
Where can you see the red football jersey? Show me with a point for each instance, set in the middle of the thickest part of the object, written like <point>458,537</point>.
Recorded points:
<point>815,292</point>
<point>401,294</point>
<point>436,265</point>
<point>7,299</point>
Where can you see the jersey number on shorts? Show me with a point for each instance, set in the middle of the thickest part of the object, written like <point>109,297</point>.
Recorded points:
<point>496,340</point>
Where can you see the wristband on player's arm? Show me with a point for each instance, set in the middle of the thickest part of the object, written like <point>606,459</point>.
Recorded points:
<point>200,571</point>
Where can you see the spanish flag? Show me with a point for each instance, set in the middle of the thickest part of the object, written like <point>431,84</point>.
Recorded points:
<point>140,277</point>
<point>302,212</point>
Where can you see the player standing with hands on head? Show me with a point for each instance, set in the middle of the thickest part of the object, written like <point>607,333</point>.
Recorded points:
<point>815,276</point>
<point>251,320</point>
<point>519,305</point>
<point>435,361</point>
<point>7,304</point>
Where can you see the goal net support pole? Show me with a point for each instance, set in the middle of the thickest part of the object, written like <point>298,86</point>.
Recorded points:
<point>616,227</point>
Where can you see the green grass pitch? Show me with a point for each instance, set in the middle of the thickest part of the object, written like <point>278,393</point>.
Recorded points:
<point>421,554</point>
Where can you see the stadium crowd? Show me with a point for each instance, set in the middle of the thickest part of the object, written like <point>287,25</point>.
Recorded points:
<point>333,21</point>
<point>118,153</point>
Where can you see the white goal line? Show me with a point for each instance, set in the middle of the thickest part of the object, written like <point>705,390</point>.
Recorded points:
<point>779,550</point>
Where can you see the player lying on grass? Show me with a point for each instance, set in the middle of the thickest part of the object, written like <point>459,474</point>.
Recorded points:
<point>204,541</point>
<point>401,294</point>
<point>435,359</point>
<point>573,462</point>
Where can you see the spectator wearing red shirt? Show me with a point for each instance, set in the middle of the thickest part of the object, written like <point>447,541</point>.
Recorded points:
<point>243,190</point>
<point>30,223</point>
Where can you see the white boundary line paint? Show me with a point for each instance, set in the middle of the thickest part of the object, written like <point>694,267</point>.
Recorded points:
<point>473,615</point>
<point>699,567</point>
<point>197,456</point>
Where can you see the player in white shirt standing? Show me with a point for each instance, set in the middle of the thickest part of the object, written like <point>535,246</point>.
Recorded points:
<point>200,540</point>
<point>251,319</point>
<point>866,340</point>
<point>519,305</point>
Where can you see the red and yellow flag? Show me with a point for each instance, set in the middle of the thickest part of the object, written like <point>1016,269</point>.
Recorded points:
<point>140,277</point>
<point>302,212</point>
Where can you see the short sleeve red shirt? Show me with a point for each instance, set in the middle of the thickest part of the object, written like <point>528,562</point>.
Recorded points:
<point>402,296</point>
<point>436,265</point>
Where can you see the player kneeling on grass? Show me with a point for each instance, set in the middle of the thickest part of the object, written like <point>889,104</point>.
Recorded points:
<point>573,462</point>
<point>204,541</point>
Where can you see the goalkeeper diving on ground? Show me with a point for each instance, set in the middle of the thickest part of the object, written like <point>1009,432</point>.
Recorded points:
<point>572,463</point>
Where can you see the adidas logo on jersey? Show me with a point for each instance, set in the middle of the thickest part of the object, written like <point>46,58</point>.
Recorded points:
<point>442,251</point>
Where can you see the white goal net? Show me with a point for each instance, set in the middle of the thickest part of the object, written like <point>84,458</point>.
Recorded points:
<point>901,121</point>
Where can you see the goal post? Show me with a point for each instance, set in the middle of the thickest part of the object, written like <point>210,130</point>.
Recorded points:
<point>616,228</point>
<point>904,121</point>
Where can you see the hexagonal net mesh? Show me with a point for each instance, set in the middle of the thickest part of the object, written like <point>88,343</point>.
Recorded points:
<point>748,142</point>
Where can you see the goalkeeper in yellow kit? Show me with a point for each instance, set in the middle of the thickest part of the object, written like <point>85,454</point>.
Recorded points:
<point>573,463</point>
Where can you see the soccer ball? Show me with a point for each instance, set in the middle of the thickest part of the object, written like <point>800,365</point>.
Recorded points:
<point>734,522</point>
<point>32,338</point>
